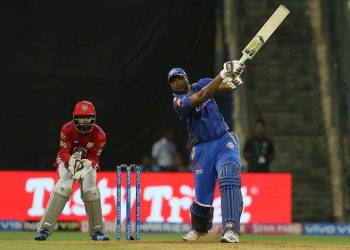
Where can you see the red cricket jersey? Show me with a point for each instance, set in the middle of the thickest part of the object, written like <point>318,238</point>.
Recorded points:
<point>90,144</point>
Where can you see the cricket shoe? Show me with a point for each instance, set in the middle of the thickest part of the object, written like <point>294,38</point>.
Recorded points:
<point>99,236</point>
<point>230,236</point>
<point>192,235</point>
<point>42,235</point>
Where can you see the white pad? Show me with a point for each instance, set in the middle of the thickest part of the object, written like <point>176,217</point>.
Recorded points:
<point>58,199</point>
<point>92,201</point>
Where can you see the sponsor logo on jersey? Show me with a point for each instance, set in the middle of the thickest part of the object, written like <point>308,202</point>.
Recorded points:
<point>230,145</point>
<point>63,144</point>
<point>90,145</point>
<point>198,169</point>
<point>178,102</point>
<point>203,105</point>
<point>75,141</point>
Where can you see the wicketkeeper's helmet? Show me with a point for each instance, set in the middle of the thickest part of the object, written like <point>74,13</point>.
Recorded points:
<point>84,116</point>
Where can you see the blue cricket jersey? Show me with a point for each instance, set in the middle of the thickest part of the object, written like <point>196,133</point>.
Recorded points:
<point>205,122</point>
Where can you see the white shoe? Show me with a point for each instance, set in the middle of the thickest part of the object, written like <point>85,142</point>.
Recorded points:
<point>192,235</point>
<point>230,236</point>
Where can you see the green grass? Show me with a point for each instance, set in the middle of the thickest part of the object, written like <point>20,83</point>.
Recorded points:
<point>77,240</point>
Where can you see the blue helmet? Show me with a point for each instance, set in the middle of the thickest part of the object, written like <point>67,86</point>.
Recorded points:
<point>176,72</point>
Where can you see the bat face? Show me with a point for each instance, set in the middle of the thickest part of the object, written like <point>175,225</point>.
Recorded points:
<point>264,33</point>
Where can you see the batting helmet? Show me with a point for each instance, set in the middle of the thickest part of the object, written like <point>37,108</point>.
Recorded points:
<point>176,72</point>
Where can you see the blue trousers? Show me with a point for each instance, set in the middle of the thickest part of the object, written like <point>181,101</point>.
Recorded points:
<point>208,158</point>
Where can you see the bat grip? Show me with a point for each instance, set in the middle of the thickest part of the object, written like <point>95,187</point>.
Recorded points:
<point>243,59</point>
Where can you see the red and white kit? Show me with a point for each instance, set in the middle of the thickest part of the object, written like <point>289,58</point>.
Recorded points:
<point>81,144</point>
<point>90,144</point>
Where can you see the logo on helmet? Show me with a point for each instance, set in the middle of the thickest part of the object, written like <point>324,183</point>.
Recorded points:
<point>84,107</point>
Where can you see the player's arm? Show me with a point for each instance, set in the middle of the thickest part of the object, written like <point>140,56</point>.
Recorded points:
<point>95,152</point>
<point>65,146</point>
<point>231,69</point>
<point>205,93</point>
<point>229,84</point>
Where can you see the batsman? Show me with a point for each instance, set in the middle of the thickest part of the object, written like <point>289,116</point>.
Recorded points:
<point>81,144</point>
<point>216,151</point>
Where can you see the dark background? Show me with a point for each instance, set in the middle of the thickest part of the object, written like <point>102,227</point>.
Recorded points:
<point>114,53</point>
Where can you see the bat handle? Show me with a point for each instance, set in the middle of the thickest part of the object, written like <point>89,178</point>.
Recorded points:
<point>243,58</point>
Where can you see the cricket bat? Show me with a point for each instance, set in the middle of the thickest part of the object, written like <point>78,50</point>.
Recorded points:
<point>264,33</point>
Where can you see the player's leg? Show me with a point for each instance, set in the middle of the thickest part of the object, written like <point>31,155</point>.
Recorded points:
<point>229,178</point>
<point>205,180</point>
<point>92,202</point>
<point>58,199</point>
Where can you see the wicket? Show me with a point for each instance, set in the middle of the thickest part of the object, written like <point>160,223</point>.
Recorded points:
<point>137,170</point>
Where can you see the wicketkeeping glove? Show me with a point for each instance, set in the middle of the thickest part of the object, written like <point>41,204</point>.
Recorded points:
<point>74,163</point>
<point>86,167</point>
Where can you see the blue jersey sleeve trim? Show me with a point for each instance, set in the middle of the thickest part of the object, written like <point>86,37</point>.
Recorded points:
<point>201,84</point>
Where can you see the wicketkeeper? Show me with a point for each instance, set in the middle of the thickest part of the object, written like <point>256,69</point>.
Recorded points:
<point>81,144</point>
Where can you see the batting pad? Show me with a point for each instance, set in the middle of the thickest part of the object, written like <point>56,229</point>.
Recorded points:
<point>231,197</point>
<point>202,217</point>
<point>54,208</point>
<point>92,201</point>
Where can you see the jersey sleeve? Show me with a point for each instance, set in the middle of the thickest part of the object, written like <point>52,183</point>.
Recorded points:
<point>182,106</point>
<point>96,150</point>
<point>201,84</point>
<point>65,145</point>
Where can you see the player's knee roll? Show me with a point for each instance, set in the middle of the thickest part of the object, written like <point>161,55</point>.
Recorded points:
<point>92,194</point>
<point>230,174</point>
<point>62,189</point>
<point>202,217</point>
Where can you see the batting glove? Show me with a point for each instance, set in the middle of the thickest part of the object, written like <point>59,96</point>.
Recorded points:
<point>233,83</point>
<point>232,68</point>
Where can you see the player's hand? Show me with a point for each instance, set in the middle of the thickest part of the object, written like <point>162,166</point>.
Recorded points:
<point>232,69</point>
<point>233,83</point>
<point>85,168</point>
<point>238,67</point>
<point>74,163</point>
